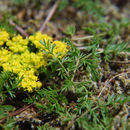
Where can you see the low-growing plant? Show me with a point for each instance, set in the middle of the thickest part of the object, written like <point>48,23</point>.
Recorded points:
<point>67,86</point>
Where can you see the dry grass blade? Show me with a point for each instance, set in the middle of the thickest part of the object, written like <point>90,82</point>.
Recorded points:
<point>20,110</point>
<point>109,80</point>
<point>52,11</point>
<point>18,28</point>
<point>120,62</point>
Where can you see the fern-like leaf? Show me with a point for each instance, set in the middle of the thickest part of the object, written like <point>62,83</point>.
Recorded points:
<point>4,76</point>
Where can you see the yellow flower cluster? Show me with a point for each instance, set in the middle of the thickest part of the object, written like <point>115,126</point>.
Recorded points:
<point>60,48</point>
<point>17,44</point>
<point>39,36</point>
<point>16,57</point>
<point>4,36</point>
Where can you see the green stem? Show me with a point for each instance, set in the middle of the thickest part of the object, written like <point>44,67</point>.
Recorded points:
<point>85,57</point>
<point>63,67</point>
<point>75,70</point>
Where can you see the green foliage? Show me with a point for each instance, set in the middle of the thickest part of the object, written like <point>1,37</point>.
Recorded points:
<point>45,127</point>
<point>114,49</point>
<point>9,122</point>
<point>62,4</point>
<point>111,30</point>
<point>48,46</point>
<point>96,111</point>
<point>53,99</point>
<point>124,23</point>
<point>75,59</point>
<point>19,2</point>
<point>4,76</point>
<point>90,6</point>
<point>4,109</point>
<point>74,78</point>
<point>95,119</point>
<point>4,23</point>
<point>8,83</point>
<point>70,30</point>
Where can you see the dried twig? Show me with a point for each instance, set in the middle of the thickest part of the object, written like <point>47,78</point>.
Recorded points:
<point>75,38</point>
<point>20,110</point>
<point>52,11</point>
<point>109,80</point>
<point>120,62</point>
<point>18,28</point>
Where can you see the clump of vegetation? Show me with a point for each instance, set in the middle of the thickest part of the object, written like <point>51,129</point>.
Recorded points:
<point>25,56</point>
<point>80,82</point>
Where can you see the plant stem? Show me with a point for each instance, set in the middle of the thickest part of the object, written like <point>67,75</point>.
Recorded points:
<point>63,67</point>
<point>85,57</point>
<point>75,69</point>
<point>82,115</point>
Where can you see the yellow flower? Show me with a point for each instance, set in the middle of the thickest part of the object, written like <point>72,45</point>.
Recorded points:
<point>37,37</point>
<point>4,36</point>
<point>60,49</point>
<point>17,58</point>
